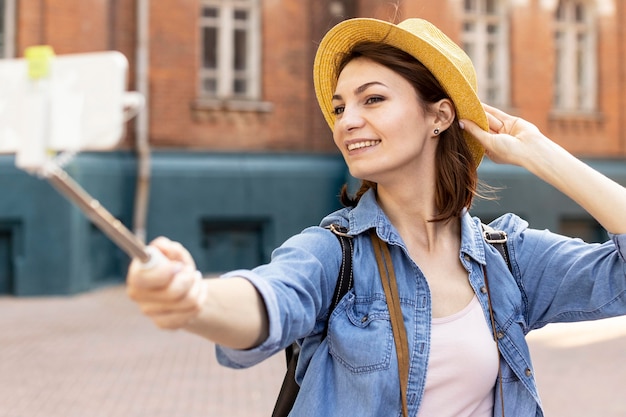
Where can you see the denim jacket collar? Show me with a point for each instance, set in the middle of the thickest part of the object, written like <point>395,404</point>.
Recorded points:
<point>368,214</point>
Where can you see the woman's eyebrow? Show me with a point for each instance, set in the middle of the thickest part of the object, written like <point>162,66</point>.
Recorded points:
<point>360,89</point>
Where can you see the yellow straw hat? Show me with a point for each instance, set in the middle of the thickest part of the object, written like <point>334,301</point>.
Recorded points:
<point>443,58</point>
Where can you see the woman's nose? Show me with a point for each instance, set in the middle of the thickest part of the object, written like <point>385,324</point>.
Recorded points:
<point>350,119</point>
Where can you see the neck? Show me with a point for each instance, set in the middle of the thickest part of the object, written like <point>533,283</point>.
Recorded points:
<point>411,212</point>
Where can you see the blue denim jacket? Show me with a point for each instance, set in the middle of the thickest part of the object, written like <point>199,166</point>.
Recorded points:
<point>353,371</point>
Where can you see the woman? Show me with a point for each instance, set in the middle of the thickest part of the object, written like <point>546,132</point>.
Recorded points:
<point>401,102</point>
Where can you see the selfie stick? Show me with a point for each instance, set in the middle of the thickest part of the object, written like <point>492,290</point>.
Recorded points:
<point>92,208</point>
<point>35,158</point>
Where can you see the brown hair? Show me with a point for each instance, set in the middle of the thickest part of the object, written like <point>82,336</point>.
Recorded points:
<point>456,174</point>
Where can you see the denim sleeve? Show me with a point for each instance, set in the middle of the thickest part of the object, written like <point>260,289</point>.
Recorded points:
<point>565,279</point>
<point>620,244</point>
<point>296,287</point>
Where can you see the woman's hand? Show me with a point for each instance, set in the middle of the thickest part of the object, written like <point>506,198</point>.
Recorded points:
<point>172,292</point>
<point>513,140</point>
<point>174,295</point>
<point>510,140</point>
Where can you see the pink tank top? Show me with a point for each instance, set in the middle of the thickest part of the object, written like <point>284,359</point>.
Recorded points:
<point>462,367</point>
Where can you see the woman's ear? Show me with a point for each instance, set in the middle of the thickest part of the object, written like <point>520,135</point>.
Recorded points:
<point>444,113</point>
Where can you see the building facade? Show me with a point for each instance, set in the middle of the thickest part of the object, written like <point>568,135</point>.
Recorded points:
<point>231,155</point>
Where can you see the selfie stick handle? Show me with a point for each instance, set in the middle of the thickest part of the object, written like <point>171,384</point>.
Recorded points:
<point>109,225</point>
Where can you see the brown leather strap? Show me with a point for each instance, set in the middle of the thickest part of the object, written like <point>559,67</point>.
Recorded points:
<point>495,337</point>
<point>388,278</point>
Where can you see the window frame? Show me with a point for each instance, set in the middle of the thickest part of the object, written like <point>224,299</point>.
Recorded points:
<point>225,72</point>
<point>476,42</point>
<point>576,65</point>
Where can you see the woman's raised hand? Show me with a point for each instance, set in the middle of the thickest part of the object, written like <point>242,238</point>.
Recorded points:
<point>510,140</point>
<point>513,140</point>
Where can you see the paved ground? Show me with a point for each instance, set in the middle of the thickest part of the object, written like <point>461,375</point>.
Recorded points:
<point>95,355</point>
<point>581,368</point>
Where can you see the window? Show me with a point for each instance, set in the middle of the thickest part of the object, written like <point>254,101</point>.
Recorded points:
<point>575,53</point>
<point>586,228</point>
<point>485,38</point>
<point>7,28</point>
<point>229,42</point>
<point>233,243</point>
<point>10,244</point>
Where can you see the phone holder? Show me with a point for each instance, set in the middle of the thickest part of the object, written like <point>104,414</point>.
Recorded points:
<point>52,107</point>
<point>65,103</point>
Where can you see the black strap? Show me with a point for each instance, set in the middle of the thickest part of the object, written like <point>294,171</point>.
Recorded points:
<point>289,389</point>
<point>345,279</point>
<point>497,239</point>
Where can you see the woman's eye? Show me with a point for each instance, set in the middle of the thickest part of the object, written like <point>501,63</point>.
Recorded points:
<point>338,110</point>
<point>374,99</point>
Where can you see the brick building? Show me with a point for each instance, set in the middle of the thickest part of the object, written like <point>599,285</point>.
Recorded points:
<point>232,152</point>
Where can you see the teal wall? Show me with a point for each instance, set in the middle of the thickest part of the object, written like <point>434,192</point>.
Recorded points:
<point>229,210</point>
<point>540,204</point>
<point>47,246</point>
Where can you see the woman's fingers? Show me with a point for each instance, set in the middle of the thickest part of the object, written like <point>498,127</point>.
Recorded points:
<point>155,277</point>
<point>170,291</point>
<point>171,258</point>
<point>172,320</point>
<point>497,146</point>
<point>482,136</point>
<point>177,288</point>
<point>176,304</point>
<point>495,124</point>
<point>172,250</point>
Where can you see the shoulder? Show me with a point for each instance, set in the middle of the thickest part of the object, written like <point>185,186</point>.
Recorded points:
<point>313,242</point>
<point>510,223</point>
<point>519,237</point>
<point>339,217</point>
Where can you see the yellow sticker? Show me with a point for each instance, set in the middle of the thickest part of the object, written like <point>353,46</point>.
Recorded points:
<point>39,59</point>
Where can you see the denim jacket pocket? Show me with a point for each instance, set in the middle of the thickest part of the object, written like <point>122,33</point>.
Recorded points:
<point>360,336</point>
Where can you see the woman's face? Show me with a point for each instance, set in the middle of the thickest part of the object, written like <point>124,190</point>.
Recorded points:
<point>380,126</point>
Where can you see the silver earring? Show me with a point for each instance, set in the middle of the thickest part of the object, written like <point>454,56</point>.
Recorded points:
<point>436,131</point>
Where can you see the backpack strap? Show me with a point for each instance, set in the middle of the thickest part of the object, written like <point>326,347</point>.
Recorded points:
<point>345,279</point>
<point>498,239</point>
<point>289,389</point>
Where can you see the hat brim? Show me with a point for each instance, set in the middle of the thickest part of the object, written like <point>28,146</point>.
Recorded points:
<point>426,49</point>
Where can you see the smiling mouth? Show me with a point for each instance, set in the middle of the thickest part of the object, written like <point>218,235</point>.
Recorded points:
<point>361,145</point>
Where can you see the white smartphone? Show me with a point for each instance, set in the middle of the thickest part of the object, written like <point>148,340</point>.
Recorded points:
<point>79,106</point>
